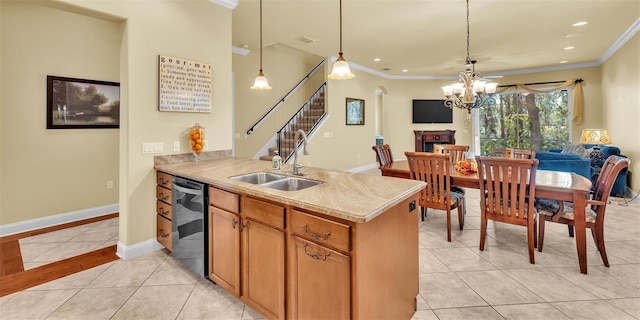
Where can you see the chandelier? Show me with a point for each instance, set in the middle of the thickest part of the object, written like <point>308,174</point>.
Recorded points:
<point>472,91</point>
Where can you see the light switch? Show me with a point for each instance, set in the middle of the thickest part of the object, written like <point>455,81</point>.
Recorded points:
<point>152,147</point>
<point>176,146</point>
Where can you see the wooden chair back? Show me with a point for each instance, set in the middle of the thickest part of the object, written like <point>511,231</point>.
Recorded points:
<point>508,186</point>
<point>455,151</point>
<point>383,154</point>
<point>608,174</point>
<point>517,153</point>
<point>435,170</point>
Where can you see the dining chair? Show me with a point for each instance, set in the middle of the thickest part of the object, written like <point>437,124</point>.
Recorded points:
<point>508,186</point>
<point>518,153</point>
<point>383,154</point>
<point>434,169</point>
<point>456,153</point>
<point>562,212</point>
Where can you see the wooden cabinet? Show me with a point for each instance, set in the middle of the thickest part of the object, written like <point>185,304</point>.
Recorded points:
<point>224,249</point>
<point>425,139</point>
<point>320,282</point>
<point>254,231</point>
<point>224,240</point>
<point>163,210</point>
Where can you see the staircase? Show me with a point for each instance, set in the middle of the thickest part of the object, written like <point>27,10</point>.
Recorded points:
<point>306,119</point>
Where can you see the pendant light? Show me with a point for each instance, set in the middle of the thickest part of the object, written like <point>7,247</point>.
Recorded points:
<point>261,82</point>
<point>341,69</point>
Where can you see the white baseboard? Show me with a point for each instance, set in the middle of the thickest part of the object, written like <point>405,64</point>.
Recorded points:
<point>138,249</point>
<point>57,219</point>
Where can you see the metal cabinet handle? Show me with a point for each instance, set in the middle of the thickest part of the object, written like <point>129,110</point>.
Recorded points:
<point>162,234</point>
<point>162,212</point>
<point>234,222</point>
<point>161,196</point>
<point>315,256</point>
<point>163,182</point>
<point>242,226</point>
<point>315,235</point>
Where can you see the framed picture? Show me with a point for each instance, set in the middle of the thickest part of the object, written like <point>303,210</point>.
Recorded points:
<point>82,104</point>
<point>355,111</point>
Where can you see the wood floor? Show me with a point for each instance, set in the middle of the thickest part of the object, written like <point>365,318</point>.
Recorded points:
<point>14,278</point>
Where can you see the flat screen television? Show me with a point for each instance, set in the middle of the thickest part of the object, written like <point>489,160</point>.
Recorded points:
<point>431,111</point>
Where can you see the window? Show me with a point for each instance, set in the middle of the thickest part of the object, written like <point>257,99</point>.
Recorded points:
<point>540,121</point>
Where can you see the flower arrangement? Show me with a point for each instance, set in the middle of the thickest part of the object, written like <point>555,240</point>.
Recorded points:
<point>466,166</point>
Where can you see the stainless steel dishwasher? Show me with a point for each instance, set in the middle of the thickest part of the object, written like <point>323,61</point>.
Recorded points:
<point>189,224</point>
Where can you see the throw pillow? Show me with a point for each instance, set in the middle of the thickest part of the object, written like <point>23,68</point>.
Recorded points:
<point>576,149</point>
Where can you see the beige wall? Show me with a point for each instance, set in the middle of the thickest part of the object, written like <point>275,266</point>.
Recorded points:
<point>621,103</point>
<point>251,105</point>
<point>194,30</point>
<point>47,172</point>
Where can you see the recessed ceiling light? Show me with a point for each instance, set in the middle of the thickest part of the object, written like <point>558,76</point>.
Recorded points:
<point>564,61</point>
<point>580,23</point>
<point>569,48</point>
<point>376,59</point>
<point>405,70</point>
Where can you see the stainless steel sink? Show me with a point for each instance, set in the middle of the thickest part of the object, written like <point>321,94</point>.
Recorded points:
<point>258,177</point>
<point>292,184</point>
<point>276,181</point>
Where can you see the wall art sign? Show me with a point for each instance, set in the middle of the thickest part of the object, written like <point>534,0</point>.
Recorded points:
<point>82,104</point>
<point>184,85</point>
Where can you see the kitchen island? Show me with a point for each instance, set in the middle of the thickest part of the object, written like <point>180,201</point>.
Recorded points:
<point>346,248</point>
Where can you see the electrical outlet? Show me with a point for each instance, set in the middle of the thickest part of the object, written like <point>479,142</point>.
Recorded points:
<point>205,144</point>
<point>110,184</point>
<point>176,146</point>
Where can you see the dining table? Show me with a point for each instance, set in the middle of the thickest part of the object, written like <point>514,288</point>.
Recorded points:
<point>556,185</point>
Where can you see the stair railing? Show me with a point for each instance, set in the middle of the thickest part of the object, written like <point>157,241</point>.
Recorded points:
<point>302,119</point>
<point>285,98</point>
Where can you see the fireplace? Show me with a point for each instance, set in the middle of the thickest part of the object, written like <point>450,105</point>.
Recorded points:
<point>425,139</point>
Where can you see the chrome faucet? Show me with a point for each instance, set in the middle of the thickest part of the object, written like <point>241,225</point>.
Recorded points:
<point>296,166</point>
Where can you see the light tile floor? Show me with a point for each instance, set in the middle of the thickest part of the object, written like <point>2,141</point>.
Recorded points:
<point>457,281</point>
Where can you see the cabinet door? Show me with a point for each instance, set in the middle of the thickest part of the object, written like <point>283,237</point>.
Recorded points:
<point>320,282</point>
<point>263,264</point>
<point>224,249</point>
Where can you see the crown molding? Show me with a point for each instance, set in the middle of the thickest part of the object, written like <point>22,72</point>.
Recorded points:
<point>626,36</point>
<point>231,4</point>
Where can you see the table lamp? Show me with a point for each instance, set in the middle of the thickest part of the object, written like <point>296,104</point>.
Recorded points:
<point>595,137</point>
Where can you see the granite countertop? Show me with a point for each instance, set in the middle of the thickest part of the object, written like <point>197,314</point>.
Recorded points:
<point>351,196</point>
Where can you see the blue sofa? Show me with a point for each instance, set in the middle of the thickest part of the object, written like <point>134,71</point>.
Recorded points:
<point>589,168</point>
<point>566,162</point>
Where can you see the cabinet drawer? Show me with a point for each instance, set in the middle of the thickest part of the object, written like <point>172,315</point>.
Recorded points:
<point>321,230</point>
<point>163,179</point>
<point>163,209</point>
<point>163,194</point>
<point>264,212</point>
<point>224,200</point>
<point>164,232</point>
